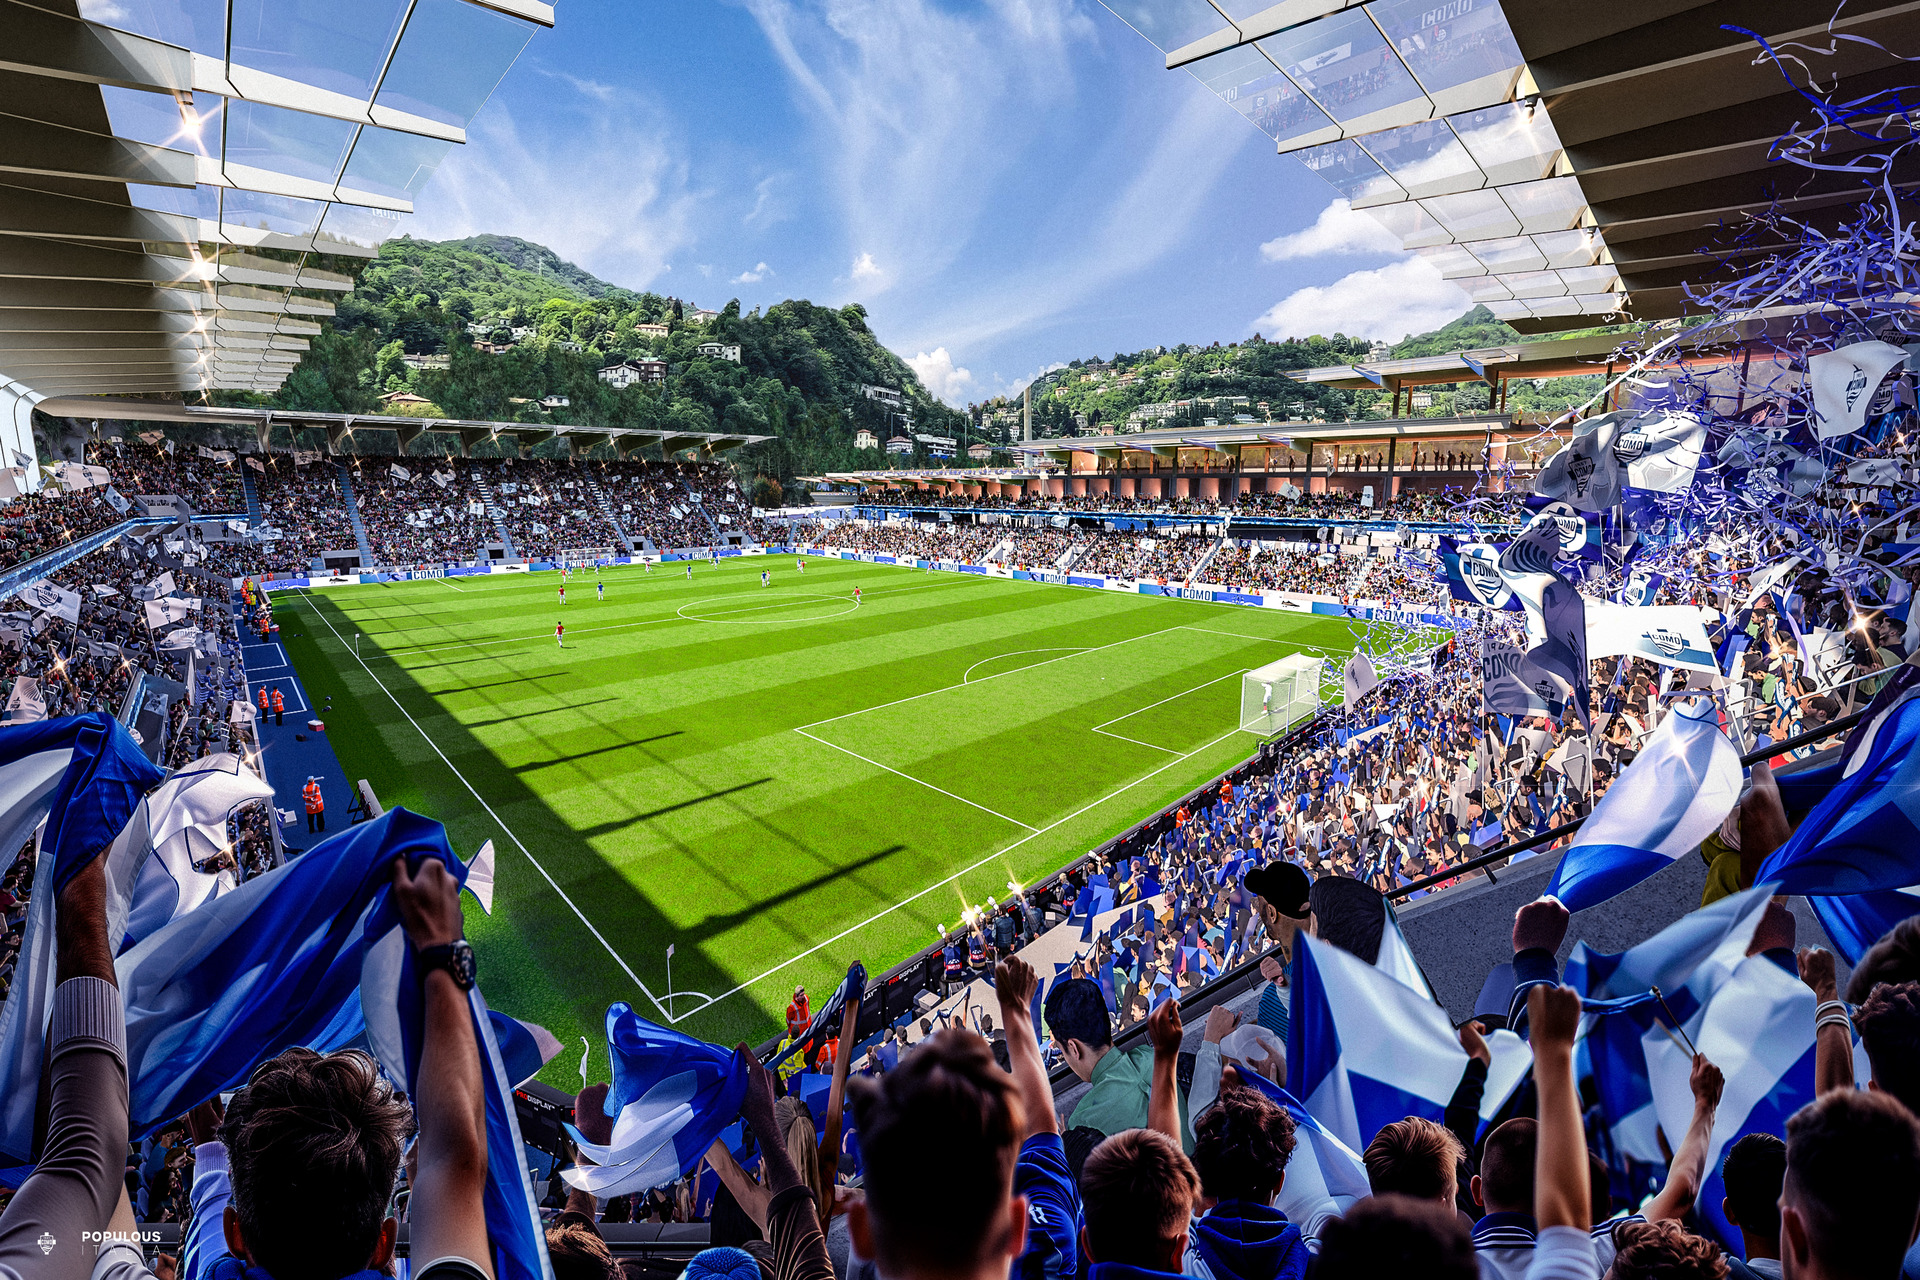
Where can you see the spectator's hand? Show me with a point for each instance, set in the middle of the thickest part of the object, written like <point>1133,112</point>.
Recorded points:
<point>1271,969</point>
<point>1164,1029</point>
<point>203,1122</point>
<point>756,1108</point>
<point>1220,1020</point>
<point>1541,923</point>
<point>1763,819</point>
<point>429,903</point>
<point>1776,928</point>
<point>1816,970</point>
<point>590,1115</point>
<point>165,1267</point>
<point>1014,981</point>
<point>1706,1081</point>
<point>1473,1040</point>
<point>1553,1014</point>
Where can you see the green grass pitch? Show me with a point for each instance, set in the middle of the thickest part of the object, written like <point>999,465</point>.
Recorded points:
<point>775,780</point>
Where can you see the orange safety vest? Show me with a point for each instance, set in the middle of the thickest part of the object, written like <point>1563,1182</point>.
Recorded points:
<point>314,804</point>
<point>263,697</point>
<point>279,703</point>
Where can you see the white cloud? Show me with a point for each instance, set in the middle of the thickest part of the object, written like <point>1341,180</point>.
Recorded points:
<point>767,205</point>
<point>1338,229</point>
<point>1387,303</point>
<point>864,268</point>
<point>938,375</point>
<point>622,222</point>
<point>760,272</point>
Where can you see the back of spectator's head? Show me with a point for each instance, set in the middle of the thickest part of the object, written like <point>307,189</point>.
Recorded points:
<point>1889,1026</point>
<point>1505,1181</point>
<point>1241,1146</point>
<point>1076,1014</point>
<point>1137,1191</point>
<point>1414,1157</point>
<point>1664,1251</point>
<point>1395,1235</point>
<point>948,1104</point>
<point>1852,1189</point>
<point>313,1146</point>
<point>1753,1172</point>
<point>578,1253</point>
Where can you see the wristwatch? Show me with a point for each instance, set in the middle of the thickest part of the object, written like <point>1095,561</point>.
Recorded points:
<point>455,957</point>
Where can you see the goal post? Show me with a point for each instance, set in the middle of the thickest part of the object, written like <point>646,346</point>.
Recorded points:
<point>1280,694</point>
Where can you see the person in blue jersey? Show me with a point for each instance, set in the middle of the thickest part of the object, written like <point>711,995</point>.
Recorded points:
<point>766,579</point>
<point>1240,1150</point>
<point>1042,1173</point>
<point>600,589</point>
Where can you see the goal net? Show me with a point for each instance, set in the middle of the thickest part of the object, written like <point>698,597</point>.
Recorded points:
<point>1280,694</point>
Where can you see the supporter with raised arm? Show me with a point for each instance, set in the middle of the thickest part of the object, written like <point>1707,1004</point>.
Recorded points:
<point>938,1142</point>
<point>1076,1014</point>
<point>1561,1195</point>
<point>77,1181</point>
<point>1688,1168</point>
<point>1041,1174</point>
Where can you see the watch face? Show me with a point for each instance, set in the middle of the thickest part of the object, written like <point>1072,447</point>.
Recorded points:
<point>462,965</point>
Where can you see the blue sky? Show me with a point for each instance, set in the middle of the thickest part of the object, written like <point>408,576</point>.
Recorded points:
<point>1004,184</point>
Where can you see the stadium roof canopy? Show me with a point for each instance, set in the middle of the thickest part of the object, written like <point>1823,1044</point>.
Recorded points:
<point>340,427</point>
<point>1561,162</point>
<point>180,184</point>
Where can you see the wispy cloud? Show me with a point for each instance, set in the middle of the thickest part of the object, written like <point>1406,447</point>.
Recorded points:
<point>1388,303</point>
<point>938,374</point>
<point>768,208</point>
<point>864,269</point>
<point>919,112</point>
<point>1338,230</point>
<point>760,272</point>
<point>544,176</point>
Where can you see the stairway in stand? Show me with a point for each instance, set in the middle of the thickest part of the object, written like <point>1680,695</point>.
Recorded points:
<point>613,517</point>
<point>495,514</point>
<point>353,514</point>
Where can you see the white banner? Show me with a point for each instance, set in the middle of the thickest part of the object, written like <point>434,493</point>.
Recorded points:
<point>160,586</point>
<point>162,612</point>
<point>443,479</point>
<point>301,457</point>
<point>55,601</point>
<point>74,476</point>
<point>1673,635</point>
<point>115,501</point>
<point>257,465</point>
<point>1512,686</point>
<point>1842,384</point>
<point>399,472</point>
<point>25,703</point>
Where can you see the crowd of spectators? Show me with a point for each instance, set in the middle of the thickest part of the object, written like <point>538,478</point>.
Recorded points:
<point>33,524</point>
<point>1400,583</point>
<point>1244,565</point>
<point>548,506</point>
<point>1158,557</point>
<point>139,467</point>
<point>307,508</point>
<point>434,515</point>
<point>1442,505</point>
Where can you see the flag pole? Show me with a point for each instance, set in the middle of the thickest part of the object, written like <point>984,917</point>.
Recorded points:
<point>670,947</point>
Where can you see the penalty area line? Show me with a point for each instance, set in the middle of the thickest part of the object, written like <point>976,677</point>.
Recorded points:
<point>966,870</point>
<point>474,792</point>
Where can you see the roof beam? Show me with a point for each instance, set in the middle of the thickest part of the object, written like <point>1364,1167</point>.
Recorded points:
<point>27,212</point>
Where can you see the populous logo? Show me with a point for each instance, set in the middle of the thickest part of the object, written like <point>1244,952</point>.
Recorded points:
<point>1666,641</point>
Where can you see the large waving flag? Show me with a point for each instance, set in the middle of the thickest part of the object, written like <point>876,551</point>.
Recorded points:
<point>1864,834</point>
<point>672,1096</point>
<point>1689,961</point>
<point>1676,792</point>
<point>83,777</point>
<point>1758,1029</point>
<point>1363,1048</point>
<point>185,819</point>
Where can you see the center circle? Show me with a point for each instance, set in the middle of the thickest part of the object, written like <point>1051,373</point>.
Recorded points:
<point>746,611</point>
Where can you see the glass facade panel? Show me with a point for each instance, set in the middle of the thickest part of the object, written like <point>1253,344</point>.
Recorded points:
<point>1351,172</point>
<point>1449,42</point>
<point>1425,158</point>
<point>331,44</point>
<point>1344,62</point>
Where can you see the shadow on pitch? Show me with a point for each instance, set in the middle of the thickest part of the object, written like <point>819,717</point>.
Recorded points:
<point>596,751</point>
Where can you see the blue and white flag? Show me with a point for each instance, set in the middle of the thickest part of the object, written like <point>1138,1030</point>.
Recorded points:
<point>1758,1029</point>
<point>83,777</point>
<point>525,1047</point>
<point>1856,921</point>
<point>1675,794</point>
<point>672,1096</point>
<point>1556,612</point>
<point>1863,836</point>
<point>1689,961</point>
<point>1363,1048</point>
<point>185,819</point>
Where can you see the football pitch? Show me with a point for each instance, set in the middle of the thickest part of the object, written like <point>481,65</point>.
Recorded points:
<point>773,781</point>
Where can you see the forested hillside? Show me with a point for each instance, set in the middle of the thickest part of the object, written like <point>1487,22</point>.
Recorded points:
<point>517,325</point>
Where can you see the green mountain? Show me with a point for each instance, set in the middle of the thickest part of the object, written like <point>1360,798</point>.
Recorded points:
<point>517,324</point>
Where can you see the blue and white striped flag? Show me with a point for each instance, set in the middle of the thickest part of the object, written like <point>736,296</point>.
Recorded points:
<point>1363,1048</point>
<point>1858,920</point>
<point>185,819</point>
<point>672,1095</point>
<point>1863,835</point>
<point>1675,794</point>
<point>84,778</point>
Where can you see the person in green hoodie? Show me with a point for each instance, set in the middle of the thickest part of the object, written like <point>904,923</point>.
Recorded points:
<point>1076,1015</point>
